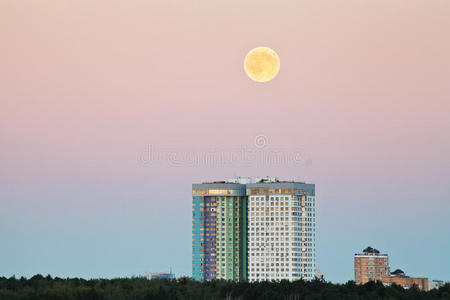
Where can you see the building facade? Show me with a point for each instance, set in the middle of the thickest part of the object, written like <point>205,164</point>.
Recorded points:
<point>255,231</point>
<point>399,277</point>
<point>219,218</point>
<point>370,265</point>
<point>159,275</point>
<point>435,284</point>
<point>281,230</point>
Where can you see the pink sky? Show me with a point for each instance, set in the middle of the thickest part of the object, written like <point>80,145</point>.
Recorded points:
<point>363,94</point>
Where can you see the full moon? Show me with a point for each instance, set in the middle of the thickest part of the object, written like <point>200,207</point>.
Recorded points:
<point>261,64</point>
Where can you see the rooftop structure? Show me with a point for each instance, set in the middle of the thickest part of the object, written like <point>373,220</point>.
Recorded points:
<point>370,251</point>
<point>241,180</point>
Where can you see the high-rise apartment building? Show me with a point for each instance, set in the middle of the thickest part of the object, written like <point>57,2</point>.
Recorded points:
<point>370,265</point>
<point>281,230</point>
<point>255,231</point>
<point>219,218</point>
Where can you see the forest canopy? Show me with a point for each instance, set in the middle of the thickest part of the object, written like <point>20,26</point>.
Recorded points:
<point>39,287</point>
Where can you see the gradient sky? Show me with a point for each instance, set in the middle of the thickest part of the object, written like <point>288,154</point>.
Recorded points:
<point>109,110</point>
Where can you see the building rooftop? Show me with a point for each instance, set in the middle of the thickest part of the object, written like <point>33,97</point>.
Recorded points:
<point>217,182</point>
<point>371,252</point>
<point>243,186</point>
<point>398,272</point>
<point>248,180</point>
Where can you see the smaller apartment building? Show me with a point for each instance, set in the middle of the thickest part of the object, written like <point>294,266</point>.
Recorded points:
<point>371,265</point>
<point>398,277</point>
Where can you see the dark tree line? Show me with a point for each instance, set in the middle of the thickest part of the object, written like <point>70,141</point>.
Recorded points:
<point>39,287</point>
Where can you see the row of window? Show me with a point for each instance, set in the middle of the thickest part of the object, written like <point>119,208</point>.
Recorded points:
<point>267,259</point>
<point>253,276</point>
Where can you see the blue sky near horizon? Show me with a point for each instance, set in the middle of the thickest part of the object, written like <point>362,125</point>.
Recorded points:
<point>130,233</point>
